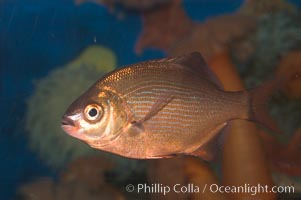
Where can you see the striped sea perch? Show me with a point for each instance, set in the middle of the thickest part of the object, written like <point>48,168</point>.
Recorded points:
<point>160,108</point>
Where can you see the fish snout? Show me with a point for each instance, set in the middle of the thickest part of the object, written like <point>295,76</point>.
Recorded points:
<point>70,126</point>
<point>67,121</point>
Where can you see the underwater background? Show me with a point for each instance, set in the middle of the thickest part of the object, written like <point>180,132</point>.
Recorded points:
<point>52,50</point>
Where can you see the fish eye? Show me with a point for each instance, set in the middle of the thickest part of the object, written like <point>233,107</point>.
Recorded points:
<point>93,112</point>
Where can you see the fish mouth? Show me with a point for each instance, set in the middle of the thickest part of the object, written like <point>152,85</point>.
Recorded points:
<point>70,130</point>
<point>75,132</point>
<point>66,121</point>
<point>70,127</point>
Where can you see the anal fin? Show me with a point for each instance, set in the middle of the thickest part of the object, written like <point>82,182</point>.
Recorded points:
<point>209,150</point>
<point>206,152</point>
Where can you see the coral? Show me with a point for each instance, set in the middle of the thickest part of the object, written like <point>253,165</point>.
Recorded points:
<point>243,145</point>
<point>139,5</point>
<point>53,94</point>
<point>214,35</point>
<point>49,190</point>
<point>242,139</point>
<point>285,180</point>
<point>284,158</point>
<point>261,7</point>
<point>183,171</point>
<point>276,35</point>
<point>290,66</point>
<point>88,170</point>
<point>286,113</point>
<point>167,172</point>
<point>223,67</point>
<point>170,29</point>
<point>83,179</point>
<point>163,27</point>
<point>42,188</point>
<point>200,174</point>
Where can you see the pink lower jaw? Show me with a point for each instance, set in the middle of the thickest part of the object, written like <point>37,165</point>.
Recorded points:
<point>72,131</point>
<point>75,132</point>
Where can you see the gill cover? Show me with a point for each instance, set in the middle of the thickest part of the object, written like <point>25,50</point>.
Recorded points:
<point>111,123</point>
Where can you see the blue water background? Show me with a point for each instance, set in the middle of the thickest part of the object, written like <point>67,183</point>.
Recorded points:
<point>39,36</point>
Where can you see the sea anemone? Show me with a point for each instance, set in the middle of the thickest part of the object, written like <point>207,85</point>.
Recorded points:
<point>259,7</point>
<point>99,58</point>
<point>52,96</point>
<point>276,35</point>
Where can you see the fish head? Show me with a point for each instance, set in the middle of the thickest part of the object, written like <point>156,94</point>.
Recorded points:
<point>96,117</point>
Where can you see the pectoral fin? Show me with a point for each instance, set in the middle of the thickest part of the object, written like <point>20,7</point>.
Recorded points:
<point>158,105</point>
<point>135,128</point>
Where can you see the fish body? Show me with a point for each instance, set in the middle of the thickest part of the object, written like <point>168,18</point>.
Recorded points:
<point>158,109</point>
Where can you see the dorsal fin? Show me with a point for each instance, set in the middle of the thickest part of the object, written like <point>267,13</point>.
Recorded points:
<point>197,64</point>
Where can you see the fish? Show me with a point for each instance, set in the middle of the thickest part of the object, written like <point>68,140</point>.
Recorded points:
<point>163,108</point>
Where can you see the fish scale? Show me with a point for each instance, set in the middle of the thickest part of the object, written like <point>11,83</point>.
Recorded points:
<point>170,125</point>
<point>160,108</point>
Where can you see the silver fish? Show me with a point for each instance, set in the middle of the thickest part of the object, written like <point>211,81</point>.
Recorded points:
<point>160,108</point>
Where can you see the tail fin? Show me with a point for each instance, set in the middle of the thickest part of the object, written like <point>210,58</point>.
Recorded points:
<point>258,100</point>
<point>260,96</point>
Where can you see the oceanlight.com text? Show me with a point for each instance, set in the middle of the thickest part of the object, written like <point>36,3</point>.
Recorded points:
<point>158,188</point>
<point>251,189</point>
